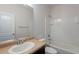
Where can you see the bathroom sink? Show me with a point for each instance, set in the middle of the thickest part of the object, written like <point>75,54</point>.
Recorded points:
<point>21,48</point>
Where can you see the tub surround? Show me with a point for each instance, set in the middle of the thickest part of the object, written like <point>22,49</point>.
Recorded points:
<point>4,46</point>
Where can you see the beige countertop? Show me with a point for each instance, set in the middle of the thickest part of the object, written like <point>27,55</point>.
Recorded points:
<point>38,45</point>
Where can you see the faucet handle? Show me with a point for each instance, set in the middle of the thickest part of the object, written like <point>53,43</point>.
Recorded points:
<point>22,41</point>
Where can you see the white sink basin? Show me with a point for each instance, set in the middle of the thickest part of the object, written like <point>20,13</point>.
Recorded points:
<point>21,48</point>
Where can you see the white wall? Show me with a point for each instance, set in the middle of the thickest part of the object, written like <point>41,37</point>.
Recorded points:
<point>23,16</point>
<point>40,12</point>
<point>65,32</point>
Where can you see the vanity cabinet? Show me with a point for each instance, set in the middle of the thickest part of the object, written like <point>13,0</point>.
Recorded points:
<point>40,51</point>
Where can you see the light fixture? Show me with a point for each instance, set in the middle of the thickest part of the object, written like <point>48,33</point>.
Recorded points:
<point>28,5</point>
<point>58,20</point>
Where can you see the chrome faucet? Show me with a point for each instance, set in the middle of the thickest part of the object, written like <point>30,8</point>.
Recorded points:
<point>19,42</point>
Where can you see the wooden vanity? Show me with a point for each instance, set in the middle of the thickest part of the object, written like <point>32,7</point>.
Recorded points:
<point>38,49</point>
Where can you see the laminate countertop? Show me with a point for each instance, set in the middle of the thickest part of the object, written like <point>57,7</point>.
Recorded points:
<point>38,45</point>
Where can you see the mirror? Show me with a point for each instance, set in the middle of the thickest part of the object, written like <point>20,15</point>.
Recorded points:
<point>6,26</point>
<point>16,21</point>
<point>24,22</point>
